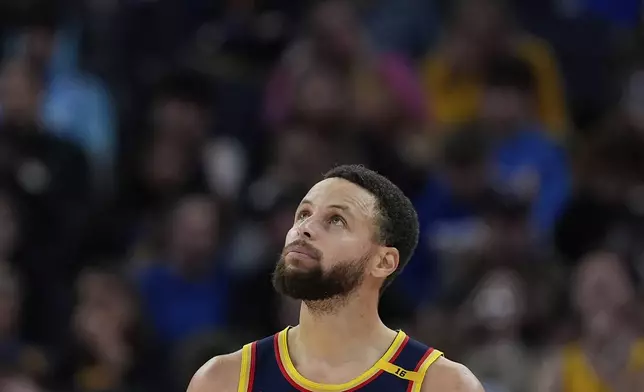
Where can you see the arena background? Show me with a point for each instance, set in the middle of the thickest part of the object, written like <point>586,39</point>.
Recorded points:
<point>152,153</point>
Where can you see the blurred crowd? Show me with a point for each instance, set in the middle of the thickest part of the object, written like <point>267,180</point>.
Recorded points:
<point>152,153</point>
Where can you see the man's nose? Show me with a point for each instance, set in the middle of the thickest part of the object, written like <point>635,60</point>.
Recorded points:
<point>308,228</point>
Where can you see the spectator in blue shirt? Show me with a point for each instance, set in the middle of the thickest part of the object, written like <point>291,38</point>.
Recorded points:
<point>76,105</point>
<point>525,161</point>
<point>185,293</point>
<point>449,211</point>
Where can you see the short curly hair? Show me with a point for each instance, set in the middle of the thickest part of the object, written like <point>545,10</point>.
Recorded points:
<point>397,221</point>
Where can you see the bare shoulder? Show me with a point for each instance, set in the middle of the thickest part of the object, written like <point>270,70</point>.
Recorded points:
<point>221,373</point>
<point>449,376</point>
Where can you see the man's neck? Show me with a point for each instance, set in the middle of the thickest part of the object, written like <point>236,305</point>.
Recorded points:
<point>341,335</point>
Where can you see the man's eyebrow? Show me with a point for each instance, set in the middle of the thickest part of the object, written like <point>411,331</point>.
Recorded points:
<point>342,207</point>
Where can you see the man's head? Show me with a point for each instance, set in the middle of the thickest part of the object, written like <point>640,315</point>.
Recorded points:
<point>509,95</point>
<point>353,231</point>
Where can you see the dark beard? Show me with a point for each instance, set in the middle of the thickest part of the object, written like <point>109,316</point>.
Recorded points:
<point>316,284</point>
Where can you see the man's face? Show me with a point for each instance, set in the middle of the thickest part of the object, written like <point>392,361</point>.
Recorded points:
<point>330,249</point>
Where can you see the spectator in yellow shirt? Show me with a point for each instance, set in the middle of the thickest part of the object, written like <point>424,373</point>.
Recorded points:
<point>480,30</point>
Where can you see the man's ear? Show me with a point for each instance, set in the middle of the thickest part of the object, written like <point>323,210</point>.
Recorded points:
<point>388,260</point>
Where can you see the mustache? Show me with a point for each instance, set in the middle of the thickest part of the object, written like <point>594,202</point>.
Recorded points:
<point>304,247</point>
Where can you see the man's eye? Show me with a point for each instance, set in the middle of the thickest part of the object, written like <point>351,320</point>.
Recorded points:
<point>337,220</point>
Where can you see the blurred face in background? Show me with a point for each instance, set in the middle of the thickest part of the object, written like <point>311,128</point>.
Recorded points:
<point>603,291</point>
<point>373,103</point>
<point>193,232</point>
<point>20,94</point>
<point>182,121</point>
<point>165,165</point>
<point>105,310</point>
<point>336,29</point>
<point>302,154</point>
<point>505,108</point>
<point>499,302</point>
<point>320,97</point>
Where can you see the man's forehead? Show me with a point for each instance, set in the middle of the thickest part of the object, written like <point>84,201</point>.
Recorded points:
<point>340,192</point>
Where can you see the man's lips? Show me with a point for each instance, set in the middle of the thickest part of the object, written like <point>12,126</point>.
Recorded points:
<point>301,253</point>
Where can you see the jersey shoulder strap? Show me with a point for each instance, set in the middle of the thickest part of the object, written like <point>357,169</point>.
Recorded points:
<point>247,370</point>
<point>412,363</point>
<point>252,353</point>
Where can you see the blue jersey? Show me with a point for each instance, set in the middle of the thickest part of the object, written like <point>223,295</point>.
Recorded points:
<point>267,367</point>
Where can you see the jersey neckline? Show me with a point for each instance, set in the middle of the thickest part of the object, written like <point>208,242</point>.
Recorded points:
<point>303,384</point>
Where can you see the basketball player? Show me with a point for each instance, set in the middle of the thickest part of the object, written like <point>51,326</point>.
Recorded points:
<point>352,234</point>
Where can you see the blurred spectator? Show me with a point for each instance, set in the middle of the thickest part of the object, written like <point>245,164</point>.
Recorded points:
<point>609,353</point>
<point>185,292</point>
<point>51,179</point>
<point>479,31</point>
<point>525,161</point>
<point>130,224</point>
<point>181,115</point>
<point>499,301</point>
<point>181,109</point>
<point>75,104</point>
<point>449,211</point>
<point>112,349</point>
<point>606,200</point>
<point>380,85</point>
